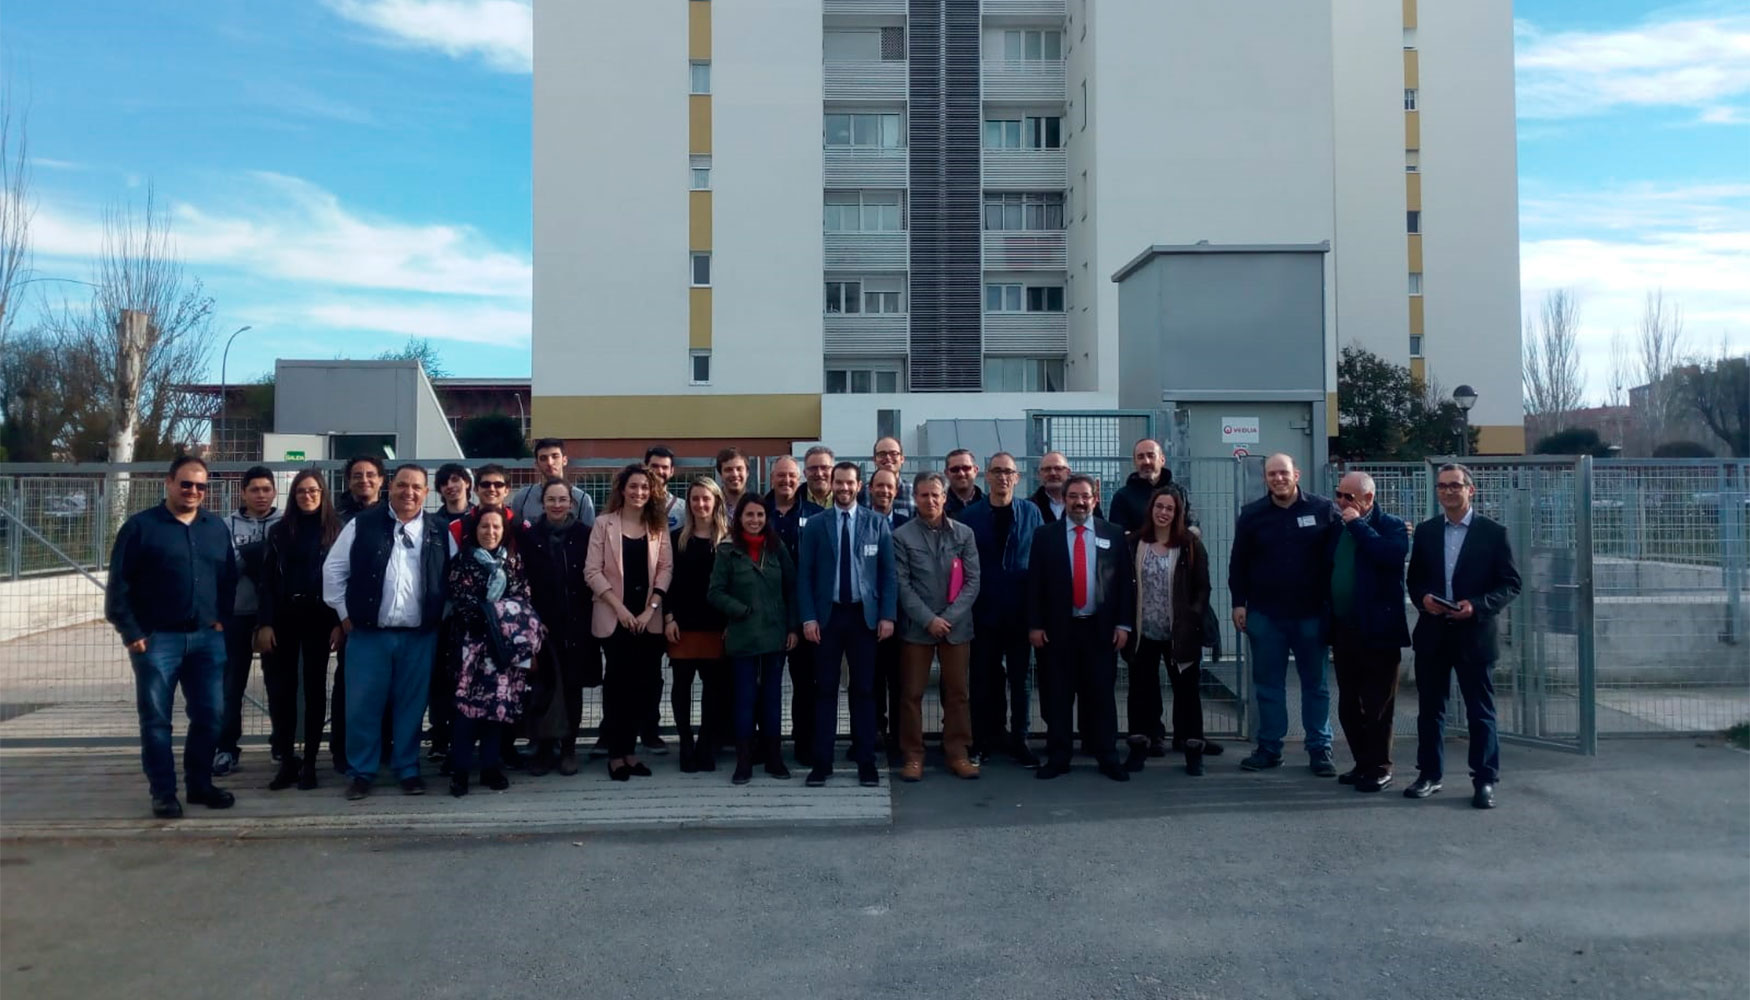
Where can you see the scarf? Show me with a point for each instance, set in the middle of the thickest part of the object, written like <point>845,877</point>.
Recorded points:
<point>494,563</point>
<point>755,545</point>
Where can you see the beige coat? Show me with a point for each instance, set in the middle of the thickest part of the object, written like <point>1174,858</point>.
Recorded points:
<point>604,571</point>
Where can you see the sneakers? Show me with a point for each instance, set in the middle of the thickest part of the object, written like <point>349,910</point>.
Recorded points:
<point>224,762</point>
<point>1320,763</point>
<point>1261,761</point>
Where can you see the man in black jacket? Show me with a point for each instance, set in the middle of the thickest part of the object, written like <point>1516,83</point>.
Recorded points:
<point>789,508</point>
<point>1461,577</point>
<point>364,490</point>
<point>172,579</point>
<point>385,578</point>
<point>1368,630</point>
<point>1129,510</point>
<point>1081,592</point>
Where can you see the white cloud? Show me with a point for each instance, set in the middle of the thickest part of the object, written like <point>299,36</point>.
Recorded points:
<point>1723,115</point>
<point>1692,62</point>
<point>473,323</point>
<point>500,32</point>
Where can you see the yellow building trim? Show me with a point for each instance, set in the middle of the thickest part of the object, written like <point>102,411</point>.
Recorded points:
<point>698,30</point>
<point>1413,192</point>
<point>1412,68</point>
<point>1416,314</point>
<point>1419,370</point>
<point>699,220</point>
<point>1412,130</point>
<point>1409,13</point>
<point>699,124</point>
<point>1415,251</point>
<point>795,416</point>
<point>1501,439</point>
<point>699,319</point>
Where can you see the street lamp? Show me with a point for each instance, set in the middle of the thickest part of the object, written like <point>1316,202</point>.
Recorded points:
<point>1465,397</point>
<point>224,362</point>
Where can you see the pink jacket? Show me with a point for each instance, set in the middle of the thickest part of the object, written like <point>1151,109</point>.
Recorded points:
<point>605,573</point>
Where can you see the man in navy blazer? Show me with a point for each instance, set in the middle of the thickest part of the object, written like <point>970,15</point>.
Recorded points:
<point>848,592</point>
<point>1078,619</point>
<point>1368,629</point>
<point>1004,524</point>
<point>1460,558</point>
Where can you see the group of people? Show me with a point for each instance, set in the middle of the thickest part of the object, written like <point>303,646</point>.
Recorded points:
<point>491,615</point>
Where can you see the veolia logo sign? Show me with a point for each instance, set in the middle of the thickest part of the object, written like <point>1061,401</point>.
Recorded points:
<point>1239,430</point>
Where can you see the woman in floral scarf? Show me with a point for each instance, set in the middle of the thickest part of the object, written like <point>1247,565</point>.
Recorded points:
<point>494,636</point>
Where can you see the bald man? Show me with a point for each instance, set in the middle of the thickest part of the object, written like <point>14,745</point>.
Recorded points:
<point>1368,627</point>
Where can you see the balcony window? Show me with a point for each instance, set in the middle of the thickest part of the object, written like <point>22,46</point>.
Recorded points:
<point>871,131</point>
<point>1039,211</point>
<point>844,297</point>
<point>1032,132</point>
<point>1023,374</point>
<point>875,296</point>
<point>1014,298</point>
<point>862,380</point>
<point>1024,45</point>
<point>864,212</point>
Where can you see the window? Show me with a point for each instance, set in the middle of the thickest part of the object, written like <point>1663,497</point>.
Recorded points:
<point>862,379</point>
<point>1409,38</point>
<point>701,178</point>
<point>701,77</point>
<point>700,373</point>
<point>844,297</point>
<point>1409,99</point>
<point>1024,133</point>
<point>1415,345</point>
<point>702,270</point>
<point>1023,374</point>
<point>1412,160</point>
<point>1007,297</point>
<point>1024,45</point>
<point>852,46</point>
<point>1414,221</point>
<point>1041,210</point>
<point>875,131</point>
<point>1415,282</point>
<point>877,296</point>
<point>864,212</point>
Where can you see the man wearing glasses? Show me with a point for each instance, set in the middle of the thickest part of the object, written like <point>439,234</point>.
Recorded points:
<point>1004,531</point>
<point>172,580</point>
<point>491,490</point>
<point>385,578</point>
<point>1054,472</point>
<point>890,456</point>
<point>963,489</point>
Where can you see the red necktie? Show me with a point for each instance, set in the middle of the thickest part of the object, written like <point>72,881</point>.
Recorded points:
<point>1079,589</point>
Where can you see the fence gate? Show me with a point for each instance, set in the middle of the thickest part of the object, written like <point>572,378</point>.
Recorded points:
<point>1544,688</point>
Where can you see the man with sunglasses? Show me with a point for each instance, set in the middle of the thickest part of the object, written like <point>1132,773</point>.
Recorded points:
<point>172,581</point>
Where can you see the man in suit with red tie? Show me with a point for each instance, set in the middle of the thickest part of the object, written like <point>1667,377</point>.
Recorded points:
<point>1461,577</point>
<point>1080,589</point>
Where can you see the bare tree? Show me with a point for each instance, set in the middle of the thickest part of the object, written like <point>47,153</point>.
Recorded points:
<point>1551,375</point>
<point>1718,390</point>
<point>1658,353</point>
<point>1621,371</point>
<point>17,208</point>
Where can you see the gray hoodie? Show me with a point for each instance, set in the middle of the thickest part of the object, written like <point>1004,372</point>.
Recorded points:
<point>248,538</point>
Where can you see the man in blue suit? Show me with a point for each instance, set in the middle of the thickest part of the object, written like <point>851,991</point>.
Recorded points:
<point>848,591</point>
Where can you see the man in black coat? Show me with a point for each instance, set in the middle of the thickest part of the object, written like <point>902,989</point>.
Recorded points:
<point>1081,593</point>
<point>1129,509</point>
<point>1461,577</point>
<point>1368,629</point>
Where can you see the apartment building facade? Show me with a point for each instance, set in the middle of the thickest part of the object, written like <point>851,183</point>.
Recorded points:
<point>766,222</point>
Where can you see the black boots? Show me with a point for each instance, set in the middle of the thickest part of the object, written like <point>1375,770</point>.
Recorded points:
<point>1138,753</point>
<point>743,765</point>
<point>1194,758</point>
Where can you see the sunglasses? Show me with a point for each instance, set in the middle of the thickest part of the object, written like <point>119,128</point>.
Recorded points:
<point>494,484</point>
<point>189,484</point>
<point>1347,496</point>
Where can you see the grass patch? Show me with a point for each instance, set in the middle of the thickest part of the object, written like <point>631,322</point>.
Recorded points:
<point>1739,736</point>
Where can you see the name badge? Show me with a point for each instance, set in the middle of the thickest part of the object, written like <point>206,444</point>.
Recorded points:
<point>1102,543</point>
<point>1306,520</point>
<point>802,522</point>
<point>872,549</point>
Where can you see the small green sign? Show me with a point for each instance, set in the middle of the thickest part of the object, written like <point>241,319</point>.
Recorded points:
<point>294,456</point>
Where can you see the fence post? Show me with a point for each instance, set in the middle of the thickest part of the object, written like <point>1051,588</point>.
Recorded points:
<point>1584,621</point>
<point>1242,664</point>
<point>15,530</point>
<point>1732,496</point>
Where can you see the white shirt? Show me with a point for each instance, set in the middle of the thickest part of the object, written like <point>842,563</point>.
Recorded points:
<point>400,606</point>
<point>1453,537</point>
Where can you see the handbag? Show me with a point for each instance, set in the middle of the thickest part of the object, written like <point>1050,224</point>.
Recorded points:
<point>697,646</point>
<point>956,580</point>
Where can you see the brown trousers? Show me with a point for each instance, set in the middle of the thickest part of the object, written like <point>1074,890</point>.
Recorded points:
<point>914,669</point>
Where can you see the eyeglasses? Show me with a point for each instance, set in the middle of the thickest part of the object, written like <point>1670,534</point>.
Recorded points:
<point>889,454</point>
<point>308,491</point>
<point>1450,487</point>
<point>1347,496</point>
<point>1005,472</point>
<point>189,484</point>
<point>495,484</point>
<point>1054,468</point>
<point>962,468</point>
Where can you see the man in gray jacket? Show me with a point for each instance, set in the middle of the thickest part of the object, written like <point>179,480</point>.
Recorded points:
<point>937,564</point>
<point>247,526</point>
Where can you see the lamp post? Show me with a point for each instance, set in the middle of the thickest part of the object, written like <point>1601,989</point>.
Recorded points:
<point>224,363</point>
<point>1465,397</point>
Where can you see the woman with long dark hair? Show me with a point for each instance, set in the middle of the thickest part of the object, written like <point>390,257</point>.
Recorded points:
<point>494,638</point>
<point>554,551</point>
<point>753,584</point>
<point>295,627</point>
<point>1172,591</point>
<point>628,569</point>
<point>694,629</point>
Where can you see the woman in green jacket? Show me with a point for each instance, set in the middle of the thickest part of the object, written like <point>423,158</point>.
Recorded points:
<point>753,583</point>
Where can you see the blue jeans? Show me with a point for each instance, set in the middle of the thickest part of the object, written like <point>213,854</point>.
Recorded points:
<point>1272,639</point>
<point>196,660</point>
<point>759,687</point>
<point>386,668</point>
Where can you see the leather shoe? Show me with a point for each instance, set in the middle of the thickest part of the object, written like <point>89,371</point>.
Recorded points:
<point>1157,748</point>
<point>413,786</point>
<point>167,808</point>
<point>356,789</point>
<point>458,783</point>
<point>568,763</point>
<point>1024,756</point>
<point>1111,770</point>
<point>640,770</point>
<point>1050,769</point>
<point>621,773</point>
<point>1378,784</point>
<point>212,797</point>
<point>963,768</point>
<point>1423,788</point>
<point>1484,797</point>
<point>1348,777</point>
<point>867,776</point>
<point>1139,755</point>
<point>494,779</point>
<point>1211,748</point>
<point>912,770</point>
<point>817,777</point>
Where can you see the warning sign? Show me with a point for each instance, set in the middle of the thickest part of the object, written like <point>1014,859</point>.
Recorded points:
<point>1240,451</point>
<point>1239,430</point>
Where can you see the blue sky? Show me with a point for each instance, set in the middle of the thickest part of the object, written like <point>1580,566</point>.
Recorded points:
<point>346,173</point>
